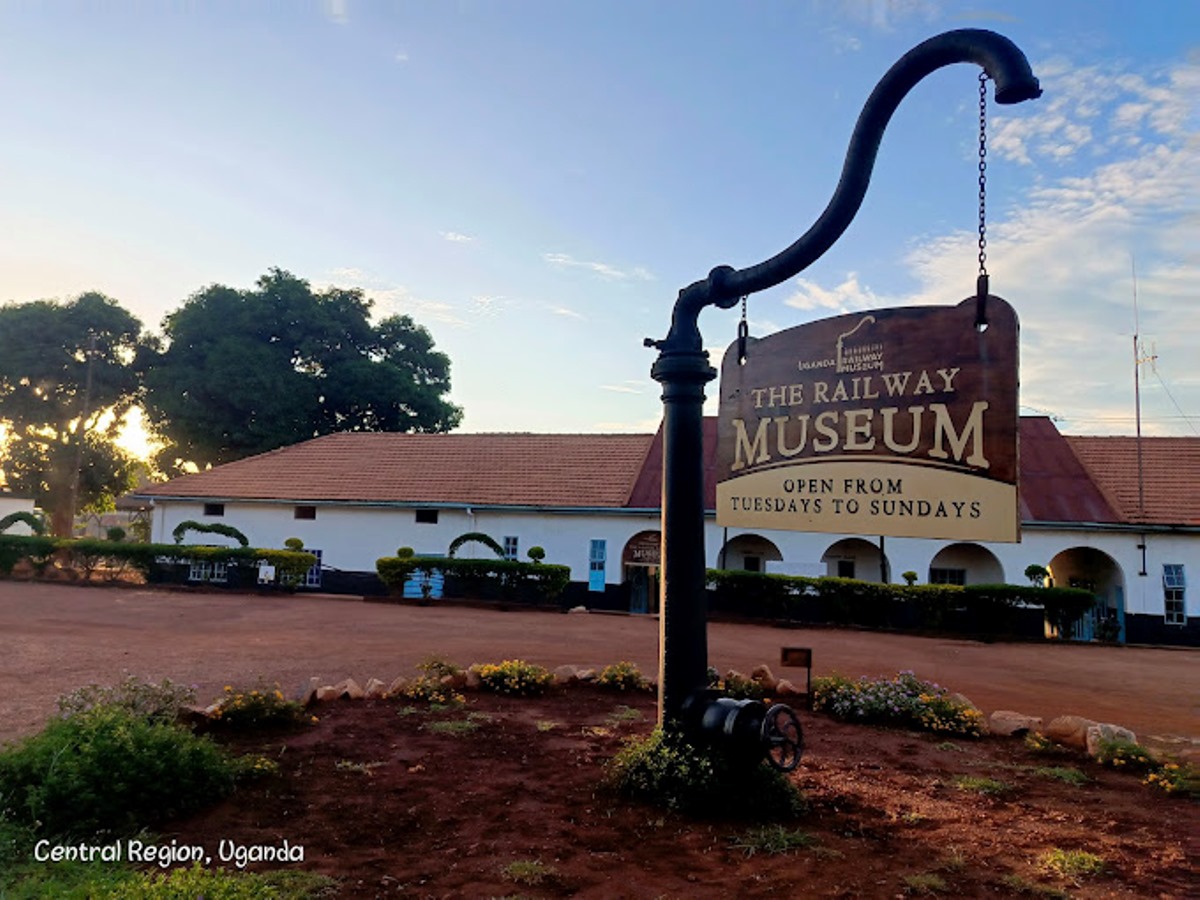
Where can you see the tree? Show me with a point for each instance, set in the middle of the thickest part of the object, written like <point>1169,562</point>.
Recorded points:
<point>67,378</point>
<point>244,372</point>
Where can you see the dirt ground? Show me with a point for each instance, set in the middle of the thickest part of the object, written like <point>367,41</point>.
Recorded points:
<point>379,795</point>
<point>509,801</point>
<point>54,638</point>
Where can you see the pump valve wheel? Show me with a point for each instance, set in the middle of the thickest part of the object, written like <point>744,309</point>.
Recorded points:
<point>783,737</point>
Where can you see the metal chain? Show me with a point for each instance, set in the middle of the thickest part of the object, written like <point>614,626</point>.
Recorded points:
<point>743,334</point>
<point>983,173</point>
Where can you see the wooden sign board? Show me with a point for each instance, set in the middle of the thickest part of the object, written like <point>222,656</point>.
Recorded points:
<point>898,422</point>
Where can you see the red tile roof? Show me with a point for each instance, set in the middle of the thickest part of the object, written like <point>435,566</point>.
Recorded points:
<point>1170,476</point>
<point>554,470</point>
<point>1063,479</point>
<point>1054,486</point>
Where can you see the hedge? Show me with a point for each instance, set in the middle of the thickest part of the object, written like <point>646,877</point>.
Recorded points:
<point>975,609</point>
<point>159,563</point>
<point>503,579</point>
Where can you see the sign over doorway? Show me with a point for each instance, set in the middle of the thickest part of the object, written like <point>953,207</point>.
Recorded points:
<point>898,422</point>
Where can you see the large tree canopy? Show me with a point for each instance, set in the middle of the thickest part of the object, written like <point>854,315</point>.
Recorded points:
<point>67,377</point>
<point>244,372</point>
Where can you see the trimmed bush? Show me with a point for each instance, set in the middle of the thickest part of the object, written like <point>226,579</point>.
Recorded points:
<point>975,609</point>
<point>503,579</point>
<point>215,528</point>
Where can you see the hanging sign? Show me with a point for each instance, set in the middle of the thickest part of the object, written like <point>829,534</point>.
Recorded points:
<point>898,422</point>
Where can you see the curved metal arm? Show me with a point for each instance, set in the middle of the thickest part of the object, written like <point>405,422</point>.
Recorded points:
<point>1004,63</point>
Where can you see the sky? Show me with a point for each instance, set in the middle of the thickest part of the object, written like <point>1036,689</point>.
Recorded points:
<point>535,180</point>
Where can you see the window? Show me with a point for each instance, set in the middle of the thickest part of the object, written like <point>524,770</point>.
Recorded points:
<point>752,563</point>
<point>597,556</point>
<point>947,576</point>
<point>312,578</point>
<point>845,568</point>
<point>427,516</point>
<point>1174,585</point>
<point>201,570</point>
<point>214,509</point>
<point>304,512</point>
<point>510,547</point>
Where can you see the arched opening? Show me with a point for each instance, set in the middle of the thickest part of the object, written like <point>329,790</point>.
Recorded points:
<point>640,562</point>
<point>965,563</point>
<point>748,553</point>
<point>857,558</point>
<point>1097,572</point>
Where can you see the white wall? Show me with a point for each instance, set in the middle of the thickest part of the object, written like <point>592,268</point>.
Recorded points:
<point>352,538</point>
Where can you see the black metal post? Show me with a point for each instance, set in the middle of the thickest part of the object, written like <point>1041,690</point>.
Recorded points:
<point>683,369</point>
<point>683,640</point>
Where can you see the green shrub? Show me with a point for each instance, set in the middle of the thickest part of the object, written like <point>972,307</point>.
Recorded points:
<point>1128,755</point>
<point>506,579</point>
<point>36,523</point>
<point>160,702</point>
<point>215,528</point>
<point>220,884</point>
<point>16,547</point>
<point>258,707</point>
<point>666,769</point>
<point>476,537</point>
<point>740,687</point>
<point>293,543</point>
<point>622,676</point>
<point>903,700</point>
<point>115,535</point>
<point>107,771</point>
<point>514,677</point>
<point>1182,780</point>
<point>535,553</point>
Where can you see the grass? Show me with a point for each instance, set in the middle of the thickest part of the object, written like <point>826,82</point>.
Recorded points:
<point>624,714</point>
<point>457,727</point>
<point>545,725</point>
<point>1072,863</point>
<point>1018,885</point>
<point>950,747</point>
<point>989,787</point>
<point>1064,774</point>
<point>528,872</point>
<point>773,840</point>
<point>365,768</point>
<point>925,883</point>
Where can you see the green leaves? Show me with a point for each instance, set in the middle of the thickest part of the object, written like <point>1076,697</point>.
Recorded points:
<point>249,371</point>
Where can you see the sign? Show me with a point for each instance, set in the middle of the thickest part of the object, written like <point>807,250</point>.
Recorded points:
<point>644,549</point>
<point>898,422</point>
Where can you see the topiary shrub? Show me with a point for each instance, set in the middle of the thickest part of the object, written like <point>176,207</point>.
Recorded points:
<point>115,535</point>
<point>537,554</point>
<point>36,524</point>
<point>216,528</point>
<point>294,544</point>
<point>477,537</point>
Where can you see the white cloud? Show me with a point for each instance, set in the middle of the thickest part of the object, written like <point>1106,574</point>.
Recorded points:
<point>568,313</point>
<point>401,56</point>
<point>1063,259</point>
<point>456,237</point>
<point>845,297</point>
<point>604,270</point>
<point>626,387</point>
